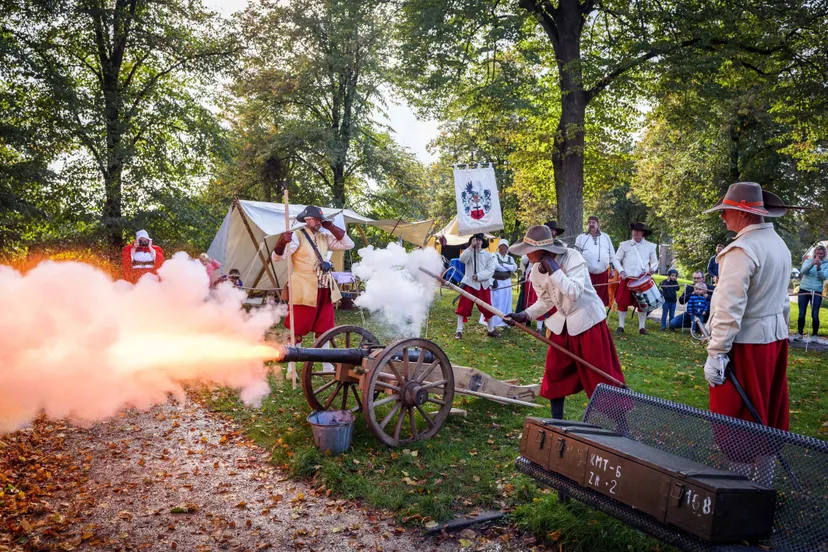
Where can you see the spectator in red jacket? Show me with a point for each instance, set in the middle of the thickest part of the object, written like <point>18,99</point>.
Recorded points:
<point>140,257</point>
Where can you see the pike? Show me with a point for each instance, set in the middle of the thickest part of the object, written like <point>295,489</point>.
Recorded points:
<point>526,329</point>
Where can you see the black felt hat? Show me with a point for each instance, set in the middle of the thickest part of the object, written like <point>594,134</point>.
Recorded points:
<point>311,211</point>
<point>640,226</point>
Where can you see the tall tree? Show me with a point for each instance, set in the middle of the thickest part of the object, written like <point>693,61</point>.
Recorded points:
<point>126,80</point>
<point>596,43</point>
<point>311,84</point>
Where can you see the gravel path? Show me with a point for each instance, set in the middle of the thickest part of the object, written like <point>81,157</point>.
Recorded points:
<point>179,478</point>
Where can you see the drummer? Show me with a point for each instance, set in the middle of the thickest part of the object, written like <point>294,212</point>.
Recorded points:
<point>634,259</point>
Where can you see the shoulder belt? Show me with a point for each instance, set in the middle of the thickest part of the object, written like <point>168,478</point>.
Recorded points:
<point>313,244</point>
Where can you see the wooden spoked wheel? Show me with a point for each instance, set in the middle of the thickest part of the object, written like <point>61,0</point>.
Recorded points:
<point>409,392</point>
<point>327,385</point>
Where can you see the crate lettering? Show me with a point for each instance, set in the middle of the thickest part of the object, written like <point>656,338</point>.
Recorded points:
<point>603,464</point>
<point>693,500</point>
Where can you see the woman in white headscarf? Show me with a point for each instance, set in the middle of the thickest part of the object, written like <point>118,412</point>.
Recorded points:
<point>502,286</point>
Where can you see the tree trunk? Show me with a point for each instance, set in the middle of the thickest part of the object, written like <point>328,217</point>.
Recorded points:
<point>112,212</point>
<point>568,153</point>
<point>734,152</point>
<point>273,176</point>
<point>338,192</point>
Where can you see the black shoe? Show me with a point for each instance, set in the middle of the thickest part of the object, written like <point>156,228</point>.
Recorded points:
<point>663,329</point>
<point>458,335</point>
<point>493,334</point>
<point>642,331</point>
<point>620,330</point>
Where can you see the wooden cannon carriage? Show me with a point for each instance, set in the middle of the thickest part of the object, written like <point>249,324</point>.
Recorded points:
<point>404,390</point>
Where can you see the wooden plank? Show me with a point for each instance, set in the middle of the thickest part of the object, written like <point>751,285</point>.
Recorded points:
<point>481,382</point>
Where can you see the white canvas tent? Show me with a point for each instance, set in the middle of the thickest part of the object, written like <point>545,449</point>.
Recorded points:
<point>251,229</point>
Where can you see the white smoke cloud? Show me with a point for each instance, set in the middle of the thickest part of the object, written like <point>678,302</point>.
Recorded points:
<point>75,343</point>
<point>395,288</point>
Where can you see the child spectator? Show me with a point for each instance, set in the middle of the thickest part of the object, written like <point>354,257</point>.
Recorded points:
<point>210,265</point>
<point>698,304</point>
<point>235,278</point>
<point>669,289</point>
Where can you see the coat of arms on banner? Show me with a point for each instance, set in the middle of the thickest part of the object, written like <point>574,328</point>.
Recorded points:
<point>478,204</point>
<point>476,201</point>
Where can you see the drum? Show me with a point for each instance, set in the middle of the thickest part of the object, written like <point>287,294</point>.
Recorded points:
<point>646,293</point>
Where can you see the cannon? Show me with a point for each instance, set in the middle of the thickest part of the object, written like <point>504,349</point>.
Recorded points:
<point>404,390</point>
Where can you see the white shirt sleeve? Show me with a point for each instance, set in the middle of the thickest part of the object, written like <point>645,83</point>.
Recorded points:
<point>344,244</point>
<point>571,284</point>
<point>618,258</point>
<point>610,250</point>
<point>729,300</point>
<point>545,301</point>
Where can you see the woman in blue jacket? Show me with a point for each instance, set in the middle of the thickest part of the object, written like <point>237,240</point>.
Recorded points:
<point>814,272</point>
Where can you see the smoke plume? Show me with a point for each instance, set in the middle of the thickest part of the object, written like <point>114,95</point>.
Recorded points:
<point>395,289</point>
<point>77,344</point>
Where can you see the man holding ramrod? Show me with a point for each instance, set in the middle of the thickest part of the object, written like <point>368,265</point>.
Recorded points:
<point>561,279</point>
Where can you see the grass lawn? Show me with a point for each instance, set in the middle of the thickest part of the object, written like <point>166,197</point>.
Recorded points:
<point>468,465</point>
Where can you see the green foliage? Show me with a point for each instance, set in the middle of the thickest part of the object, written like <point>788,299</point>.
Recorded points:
<point>123,89</point>
<point>309,87</point>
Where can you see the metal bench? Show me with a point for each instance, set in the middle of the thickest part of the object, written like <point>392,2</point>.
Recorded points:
<point>794,465</point>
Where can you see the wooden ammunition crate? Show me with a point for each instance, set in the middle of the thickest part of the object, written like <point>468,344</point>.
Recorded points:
<point>716,505</point>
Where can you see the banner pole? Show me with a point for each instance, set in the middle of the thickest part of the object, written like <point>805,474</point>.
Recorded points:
<point>292,365</point>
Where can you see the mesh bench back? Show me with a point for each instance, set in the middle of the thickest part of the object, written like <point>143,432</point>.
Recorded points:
<point>794,465</point>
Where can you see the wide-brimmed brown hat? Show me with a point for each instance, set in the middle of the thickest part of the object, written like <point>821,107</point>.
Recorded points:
<point>553,225</point>
<point>538,238</point>
<point>642,227</point>
<point>750,198</point>
<point>311,211</point>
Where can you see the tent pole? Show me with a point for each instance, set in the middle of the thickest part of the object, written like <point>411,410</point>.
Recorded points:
<point>255,243</point>
<point>291,366</point>
<point>362,233</point>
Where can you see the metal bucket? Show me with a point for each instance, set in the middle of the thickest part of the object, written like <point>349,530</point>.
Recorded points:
<point>332,430</point>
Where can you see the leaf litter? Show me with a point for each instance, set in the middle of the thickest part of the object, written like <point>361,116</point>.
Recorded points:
<point>178,477</point>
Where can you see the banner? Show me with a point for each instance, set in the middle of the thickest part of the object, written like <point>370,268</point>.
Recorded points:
<point>478,203</point>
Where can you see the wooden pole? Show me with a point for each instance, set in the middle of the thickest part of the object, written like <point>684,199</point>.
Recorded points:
<point>496,398</point>
<point>530,331</point>
<point>262,258</point>
<point>292,365</point>
<point>362,233</point>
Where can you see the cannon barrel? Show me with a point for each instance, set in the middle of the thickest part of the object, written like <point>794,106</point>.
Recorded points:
<point>413,355</point>
<point>334,356</point>
<point>344,356</point>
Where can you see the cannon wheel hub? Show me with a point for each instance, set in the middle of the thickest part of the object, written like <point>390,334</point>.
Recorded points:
<point>407,394</point>
<point>414,394</point>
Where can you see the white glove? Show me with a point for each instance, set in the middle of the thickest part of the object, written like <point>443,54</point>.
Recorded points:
<point>714,369</point>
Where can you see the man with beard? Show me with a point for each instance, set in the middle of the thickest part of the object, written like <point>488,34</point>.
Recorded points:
<point>597,250</point>
<point>313,289</point>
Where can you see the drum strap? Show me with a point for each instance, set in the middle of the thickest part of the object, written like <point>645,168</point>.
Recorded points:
<point>644,268</point>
